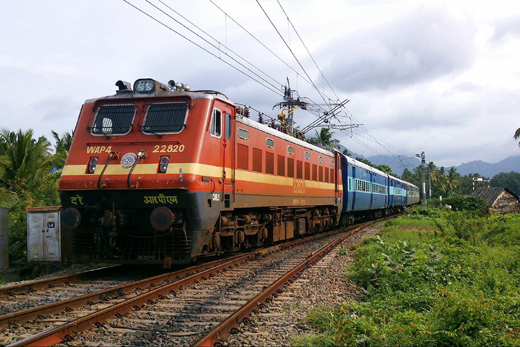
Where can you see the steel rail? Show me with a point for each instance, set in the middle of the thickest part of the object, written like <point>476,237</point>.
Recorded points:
<point>52,282</point>
<point>99,296</point>
<point>231,325</point>
<point>66,331</point>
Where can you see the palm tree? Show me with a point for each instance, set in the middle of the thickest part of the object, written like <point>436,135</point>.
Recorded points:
<point>453,180</point>
<point>385,168</point>
<point>432,173</point>
<point>25,161</point>
<point>61,148</point>
<point>517,135</point>
<point>324,138</point>
<point>442,181</point>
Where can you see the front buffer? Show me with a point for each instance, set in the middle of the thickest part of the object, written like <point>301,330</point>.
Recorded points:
<point>159,226</point>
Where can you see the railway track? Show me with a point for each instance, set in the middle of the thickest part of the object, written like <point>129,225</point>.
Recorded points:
<point>175,308</point>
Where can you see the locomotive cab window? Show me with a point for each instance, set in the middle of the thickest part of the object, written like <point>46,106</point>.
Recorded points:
<point>165,118</point>
<point>113,120</point>
<point>216,123</point>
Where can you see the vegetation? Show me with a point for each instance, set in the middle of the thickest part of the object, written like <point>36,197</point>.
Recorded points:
<point>29,174</point>
<point>510,180</point>
<point>433,278</point>
<point>324,138</point>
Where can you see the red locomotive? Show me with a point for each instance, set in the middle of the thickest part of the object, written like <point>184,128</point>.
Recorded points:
<point>160,174</point>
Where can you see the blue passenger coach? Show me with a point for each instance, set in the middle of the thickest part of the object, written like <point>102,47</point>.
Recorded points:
<point>369,192</point>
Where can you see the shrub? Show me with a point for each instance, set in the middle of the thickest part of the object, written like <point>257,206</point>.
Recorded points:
<point>466,203</point>
<point>457,290</point>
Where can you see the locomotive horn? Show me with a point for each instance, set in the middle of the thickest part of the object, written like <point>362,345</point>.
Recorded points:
<point>124,86</point>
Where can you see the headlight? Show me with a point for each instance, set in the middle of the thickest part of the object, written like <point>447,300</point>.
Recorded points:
<point>92,163</point>
<point>144,86</point>
<point>163,164</point>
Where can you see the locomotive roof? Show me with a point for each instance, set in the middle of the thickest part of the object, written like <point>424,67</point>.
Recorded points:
<point>193,95</point>
<point>274,132</point>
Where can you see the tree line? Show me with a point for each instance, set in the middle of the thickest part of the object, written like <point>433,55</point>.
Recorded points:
<point>30,169</point>
<point>439,180</point>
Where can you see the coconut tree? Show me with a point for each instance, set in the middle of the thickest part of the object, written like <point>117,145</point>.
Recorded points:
<point>453,180</point>
<point>25,161</point>
<point>517,135</point>
<point>442,181</point>
<point>324,138</point>
<point>385,168</point>
<point>432,176</point>
<point>61,149</point>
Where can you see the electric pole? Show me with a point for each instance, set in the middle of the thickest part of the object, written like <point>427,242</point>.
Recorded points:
<point>423,168</point>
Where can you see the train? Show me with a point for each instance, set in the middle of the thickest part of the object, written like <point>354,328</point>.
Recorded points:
<point>160,174</point>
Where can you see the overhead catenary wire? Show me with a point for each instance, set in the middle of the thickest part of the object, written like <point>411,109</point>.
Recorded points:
<point>294,55</point>
<point>213,38</point>
<point>260,42</point>
<point>385,147</point>
<point>272,88</point>
<point>305,46</point>
<point>214,46</point>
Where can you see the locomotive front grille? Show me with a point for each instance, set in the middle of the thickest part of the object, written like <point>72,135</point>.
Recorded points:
<point>165,118</point>
<point>113,119</point>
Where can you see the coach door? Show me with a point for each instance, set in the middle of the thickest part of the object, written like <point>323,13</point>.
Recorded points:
<point>391,196</point>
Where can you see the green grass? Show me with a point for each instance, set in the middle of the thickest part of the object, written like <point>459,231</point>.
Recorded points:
<point>453,285</point>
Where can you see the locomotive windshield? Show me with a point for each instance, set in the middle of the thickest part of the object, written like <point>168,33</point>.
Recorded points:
<point>113,120</point>
<point>165,118</point>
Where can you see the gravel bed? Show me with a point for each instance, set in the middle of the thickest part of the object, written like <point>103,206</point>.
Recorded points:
<point>64,269</point>
<point>325,284</point>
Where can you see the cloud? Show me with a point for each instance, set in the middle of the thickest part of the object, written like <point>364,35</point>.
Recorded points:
<point>421,46</point>
<point>508,27</point>
<point>55,108</point>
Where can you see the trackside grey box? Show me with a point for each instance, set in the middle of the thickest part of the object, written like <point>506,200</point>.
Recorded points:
<point>4,238</point>
<point>44,234</point>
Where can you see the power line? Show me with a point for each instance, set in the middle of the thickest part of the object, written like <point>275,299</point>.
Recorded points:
<point>209,35</point>
<point>206,50</point>
<point>380,143</point>
<point>214,46</point>
<point>290,50</point>
<point>310,55</point>
<point>260,42</point>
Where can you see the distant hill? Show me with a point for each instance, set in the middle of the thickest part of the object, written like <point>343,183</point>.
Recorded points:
<point>509,164</point>
<point>398,163</point>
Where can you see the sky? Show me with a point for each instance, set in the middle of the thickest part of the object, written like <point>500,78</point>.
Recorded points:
<point>435,76</point>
